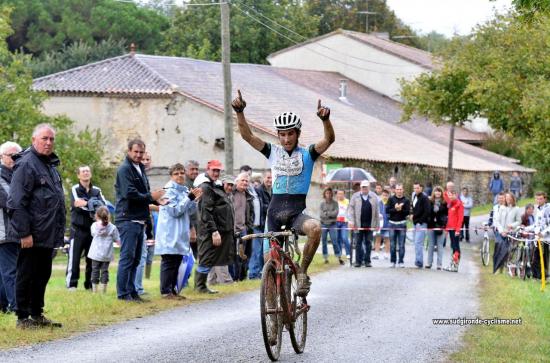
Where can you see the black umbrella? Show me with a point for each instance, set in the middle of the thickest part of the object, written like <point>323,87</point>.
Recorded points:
<point>500,256</point>
<point>349,175</point>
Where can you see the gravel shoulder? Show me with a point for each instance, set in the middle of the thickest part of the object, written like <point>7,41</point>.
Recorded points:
<point>358,314</point>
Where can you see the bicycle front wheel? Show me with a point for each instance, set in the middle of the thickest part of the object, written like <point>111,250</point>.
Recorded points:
<point>298,308</point>
<point>271,312</point>
<point>485,252</point>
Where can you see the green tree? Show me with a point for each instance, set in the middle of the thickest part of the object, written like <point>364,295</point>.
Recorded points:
<point>20,113</point>
<point>346,14</point>
<point>49,25</point>
<point>195,31</point>
<point>506,66</point>
<point>75,55</point>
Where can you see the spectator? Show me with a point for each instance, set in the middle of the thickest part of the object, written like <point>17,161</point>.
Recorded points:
<point>191,173</point>
<point>215,227</point>
<point>498,212</point>
<point>468,203</point>
<point>220,274</point>
<point>449,187</point>
<point>516,185</point>
<point>264,196</point>
<point>420,215</point>
<point>148,248</point>
<point>436,226</point>
<point>363,214</point>
<point>101,250</point>
<point>255,247</point>
<point>454,224</point>
<point>393,182</point>
<point>255,180</point>
<point>342,222</point>
<point>85,198</point>
<point>398,211</point>
<point>542,229</point>
<point>528,218</point>
<point>384,235</point>
<point>37,206</point>
<point>244,218</point>
<point>133,197</point>
<point>172,239</point>
<point>329,212</point>
<point>496,186</point>
<point>378,190</point>
<point>428,189</point>
<point>9,243</point>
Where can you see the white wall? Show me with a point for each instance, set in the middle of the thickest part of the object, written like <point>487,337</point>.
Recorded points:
<point>375,69</point>
<point>189,134</point>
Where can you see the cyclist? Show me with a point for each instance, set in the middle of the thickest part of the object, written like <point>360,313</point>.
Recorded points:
<point>291,168</point>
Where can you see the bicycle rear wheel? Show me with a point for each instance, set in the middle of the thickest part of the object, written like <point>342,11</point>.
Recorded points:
<point>485,251</point>
<point>521,264</point>
<point>271,312</point>
<point>297,306</point>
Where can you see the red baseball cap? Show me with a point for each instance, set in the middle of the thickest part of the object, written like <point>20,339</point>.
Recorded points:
<point>214,164</point>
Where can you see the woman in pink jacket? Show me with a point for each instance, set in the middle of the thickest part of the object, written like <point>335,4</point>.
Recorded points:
<point>454,224</point>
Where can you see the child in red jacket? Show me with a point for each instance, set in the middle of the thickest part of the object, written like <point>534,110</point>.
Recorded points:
<point>454,224</point>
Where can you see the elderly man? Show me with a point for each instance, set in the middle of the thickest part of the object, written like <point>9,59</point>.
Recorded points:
<point>133,197</point>
<point>215,226</point>
<point>244,218</point>
<point>264,197</point>
<point>37,204</point>
<point>84,198</point>
<point>363,214</point>
<point>9,243</point>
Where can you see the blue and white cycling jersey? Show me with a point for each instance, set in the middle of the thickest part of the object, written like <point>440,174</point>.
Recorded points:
<point>291,172</point>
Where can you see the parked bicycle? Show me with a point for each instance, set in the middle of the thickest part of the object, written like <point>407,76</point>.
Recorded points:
<point>522,254</point>
<point>280,304</point>
<point>485,244</point>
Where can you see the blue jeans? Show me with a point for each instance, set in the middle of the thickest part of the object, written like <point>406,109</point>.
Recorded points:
<point>433,240</point>
<point>419,236</point>
<point>141,268</point>
<point>131,245</point>
<point>397,237</point>
<point>362,239</point>
<point>256,262</point>
<point>330,229</point>
<point>342,236</point>
<point>8,269</point>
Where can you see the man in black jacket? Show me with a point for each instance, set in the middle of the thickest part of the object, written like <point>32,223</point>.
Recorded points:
<point>421,209</point>
<point>37,206</point>
<point>84,196</point>
<point>133,197</point>
<point>216,220</point>
<point>398,210</point>
<point>9,243</point>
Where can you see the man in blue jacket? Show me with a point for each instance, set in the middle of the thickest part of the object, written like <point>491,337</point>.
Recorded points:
<point>37,206</point>
<point>133,197</point>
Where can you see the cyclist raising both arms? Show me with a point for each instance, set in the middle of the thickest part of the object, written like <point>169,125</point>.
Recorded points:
<point>291,168</point>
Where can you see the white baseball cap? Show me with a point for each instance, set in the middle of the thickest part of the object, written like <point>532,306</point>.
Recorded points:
<point>365,183</point>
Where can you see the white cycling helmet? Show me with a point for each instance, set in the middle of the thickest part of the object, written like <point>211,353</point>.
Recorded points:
<point>287,121</point>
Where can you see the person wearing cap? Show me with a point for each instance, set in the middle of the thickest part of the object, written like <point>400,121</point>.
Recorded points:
<point>363,215</point>
<point>215,226</point>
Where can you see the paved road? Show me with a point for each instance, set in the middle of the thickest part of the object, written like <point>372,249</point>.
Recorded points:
<point>358,314</point>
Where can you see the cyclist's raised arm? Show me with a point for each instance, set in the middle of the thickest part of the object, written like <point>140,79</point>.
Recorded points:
<point>324,114</point>
<point>239,105</point>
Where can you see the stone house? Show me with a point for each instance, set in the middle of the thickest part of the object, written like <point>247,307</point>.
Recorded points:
<point>176,106</point>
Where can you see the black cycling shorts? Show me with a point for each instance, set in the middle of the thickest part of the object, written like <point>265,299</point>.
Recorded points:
<point>287,210</point>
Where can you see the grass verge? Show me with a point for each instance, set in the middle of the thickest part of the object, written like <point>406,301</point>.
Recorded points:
<point>509,298</point>
<point>81,311</point>
<point>486,208</point>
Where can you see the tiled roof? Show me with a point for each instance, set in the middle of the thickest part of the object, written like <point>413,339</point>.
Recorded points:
<point>414,55</point>
<point>119,75</point>
<point>361,133</point>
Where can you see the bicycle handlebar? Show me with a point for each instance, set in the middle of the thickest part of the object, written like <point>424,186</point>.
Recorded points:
<point>267,235</point>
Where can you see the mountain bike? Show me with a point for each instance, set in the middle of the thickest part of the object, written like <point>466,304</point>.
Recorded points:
<point>524,253</point>
<point>280,304</point>
<point>485,244</point>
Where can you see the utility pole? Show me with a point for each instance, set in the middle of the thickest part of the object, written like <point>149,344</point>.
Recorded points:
<point>450,171</point>
<point>367,13</point>
<point>226,64</point>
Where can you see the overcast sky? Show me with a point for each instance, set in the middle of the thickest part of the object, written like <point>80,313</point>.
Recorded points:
<point>446,16</point>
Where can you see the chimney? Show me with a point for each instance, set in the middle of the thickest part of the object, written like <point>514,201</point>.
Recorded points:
<point>344,91</point>
<point>132,49</point>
